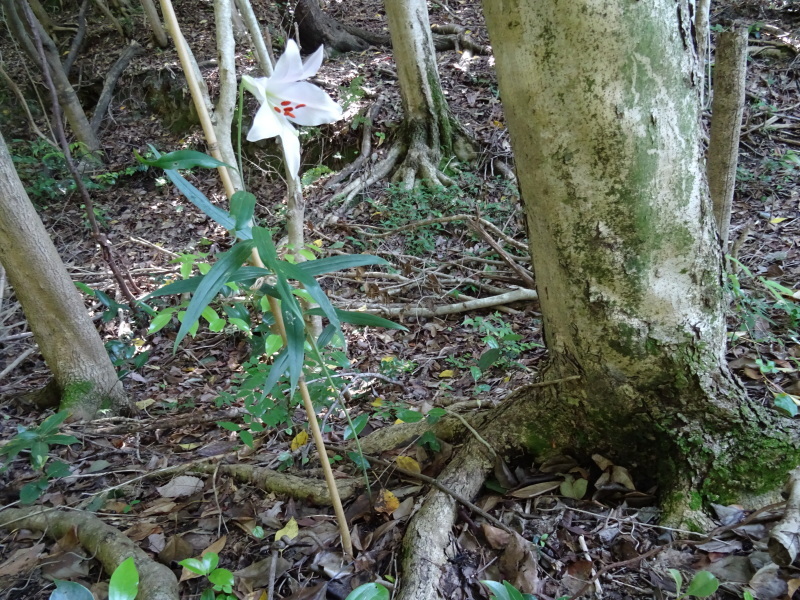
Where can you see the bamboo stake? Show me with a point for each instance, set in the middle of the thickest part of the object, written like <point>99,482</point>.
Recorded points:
<point>182,47</point>
<point>183,53</point>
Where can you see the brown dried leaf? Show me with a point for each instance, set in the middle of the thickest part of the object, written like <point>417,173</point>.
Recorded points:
<point>21,560</point>
<point>496,537</point>
<point>537,489</point>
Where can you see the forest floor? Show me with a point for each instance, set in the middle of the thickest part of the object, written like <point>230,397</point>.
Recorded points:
<point>125,469</point>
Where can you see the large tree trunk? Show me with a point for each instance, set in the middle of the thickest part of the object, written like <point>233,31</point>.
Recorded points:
<point>627,260</point>
<point>603,112</point>
<point>82,370</point>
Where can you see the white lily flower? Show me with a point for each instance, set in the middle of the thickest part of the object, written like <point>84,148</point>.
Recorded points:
<point>285,97</point>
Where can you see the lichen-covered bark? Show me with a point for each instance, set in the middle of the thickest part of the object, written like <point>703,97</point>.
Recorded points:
<point>603,111</point>
<point>74,352</point>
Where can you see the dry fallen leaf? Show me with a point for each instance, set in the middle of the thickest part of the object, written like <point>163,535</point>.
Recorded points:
<point>537,489</point>
<point>408,463</point>
<point>290,530</point>
<point>183,485</point>
<point>300,440</point>
<point>387,502</point>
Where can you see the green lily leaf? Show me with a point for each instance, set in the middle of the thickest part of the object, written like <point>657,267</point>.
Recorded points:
<point>182,159</point>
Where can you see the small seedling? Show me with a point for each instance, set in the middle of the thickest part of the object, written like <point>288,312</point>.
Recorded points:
<point>702,585</point>
<point>221,580</point>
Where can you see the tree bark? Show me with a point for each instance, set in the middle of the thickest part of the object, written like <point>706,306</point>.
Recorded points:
<point>428,130</point>
<point>223,112</point>
<point>74,352</point>
<point>317,28</point>
<point>76,117</point>
<point>628,271</point>
<point>154,20</point>
<point>730,73</point>
<point>624,247</point>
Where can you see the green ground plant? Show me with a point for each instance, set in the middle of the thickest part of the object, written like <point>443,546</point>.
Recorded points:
<point>43,171</point>
<point>221,580</point>
<point>36,444</point>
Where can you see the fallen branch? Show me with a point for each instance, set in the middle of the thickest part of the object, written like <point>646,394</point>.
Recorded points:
<point>17,361</point>
<point>111,81</point>
<point>459,307</point>
<point>104,542</point>
<point>784,539</point>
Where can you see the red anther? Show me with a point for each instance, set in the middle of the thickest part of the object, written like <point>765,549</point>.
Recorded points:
<point>277,110</point>
<point>285,103</point>
<point>289,114</point>
<point>299,106</point>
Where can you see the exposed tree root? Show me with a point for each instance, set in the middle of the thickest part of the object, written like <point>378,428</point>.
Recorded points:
<point>311,490</point>
<point>428,533</point>
<point>104,542</point>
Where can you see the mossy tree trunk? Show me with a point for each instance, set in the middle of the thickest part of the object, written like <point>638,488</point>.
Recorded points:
<point>603,110</point>
<point>429,130</point>
<point>82,371</point>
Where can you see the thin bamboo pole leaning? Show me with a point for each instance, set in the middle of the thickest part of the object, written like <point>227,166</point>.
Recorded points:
<point>208,129</point>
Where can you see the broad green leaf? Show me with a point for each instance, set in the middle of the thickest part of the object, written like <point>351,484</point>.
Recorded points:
<point>499,591</point>
<point>57,469</point>
<point>228,425</point>
<point>246,437</point>
<point>488,358</point>
<point>435,414</point>
<point>51,423</point>
<point>358,425</point>
<point>30,492</point>
<point>676,575</point>
<point>239,324</point>
<point>369,591</point>
<point>194,565</point>
<point>182,159</point>
<point>786,404</point>
<point>124,581</point>
<point>429,439</point>
<point>62,438</point>
<point>185,286</point>
<point>278,368</point>
<point>85,289</point>
<point>326,336</point>
<point>703,585</point>
<point>197,198</point>
<point>222,578</point>
<point>39,451</point>
<point>237,311</point>
<point>272,344</point>
<point>162,320</point>
<point>69,590</point>
<point>220,273</point>
<point>409,416</point>
<point>242,206</point>
<point>312,287</point>
<point>361,462</point>
<point>339,263</point>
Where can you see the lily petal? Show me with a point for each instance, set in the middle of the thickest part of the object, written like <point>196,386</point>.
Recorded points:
<point>312,64</point>
<point>289,66</point>
<point>291,150</point>
<point>318,107</point>
<point>256,86</point>
<point>266,124</point>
